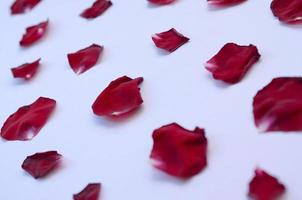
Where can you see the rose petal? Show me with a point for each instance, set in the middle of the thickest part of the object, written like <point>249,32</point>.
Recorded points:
<point>161,2</point>
<point>119,97</point>
<point>232,62</point>
<point>179,152</point>
<point>169,40</point>
<point>90,192</point>
<point>278,106</point>
<point>27,70</point>
<point>21,6</point>
<point>98,8</point>
<point>28,120</point>
<point>265,187</point>
<point>288,11</point>
<point>41,164</point>
<point>84,59</point>
<point>225,2</point>
<point>33,34</point>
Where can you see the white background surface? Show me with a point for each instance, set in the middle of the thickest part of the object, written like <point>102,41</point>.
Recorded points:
<point>176,88</point>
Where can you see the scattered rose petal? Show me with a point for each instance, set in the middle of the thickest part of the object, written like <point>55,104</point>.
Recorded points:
<point>169,40</point>
<point>84,59</point>
<point>41,164</point>
<point>98,8</point>
<point>232,62</point>
<point>179,152</point>
<point>161,2</point>
<point>28,120</point>
<point>90,192</point>
<point>119,97</point>
<point>225,2</point>
<point>21,6</point>
<point>278,106</point>
<point>27,70</point>
<point>288,11</point>
<point>33,34</point>
<point>265,187</point>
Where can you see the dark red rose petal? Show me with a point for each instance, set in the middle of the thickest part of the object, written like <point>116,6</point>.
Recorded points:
<point>90,192</point>
<point>169,40</point>
<point>179,152</point>
<point>265,187</point>
<point>225,2</point>
<point>33,34</point>
<point>84,59</point>
<point>161,2</point>
<point>98,8</point>
<point>288,11</point>
<point>232,62</point>
<point>27,70</point>
<point>28,120</point>
<point>119,97</point>
<point>278,106</point>
<point>21,6</point>
<point>41,164</point>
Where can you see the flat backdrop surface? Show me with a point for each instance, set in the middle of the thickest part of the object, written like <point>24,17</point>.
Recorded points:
<point>176,88</point>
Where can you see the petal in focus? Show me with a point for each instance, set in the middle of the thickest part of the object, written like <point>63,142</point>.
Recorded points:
<point>288,11</point>
<point>98,8</point>
<point>169,40</point>
<point>28,120</point>
<point>41,164</point>
<point>225,2</point>
<point>265,187</point>
<point>278,106</point>
<point>84,59</point>
<point>161,2</point>
<point>21,6</point>
<point>232,62</point>
<point>33,34</point>
<point>179,152</point>
<point>120,97</point>
<point>90,192</point>
<point>27,70</point>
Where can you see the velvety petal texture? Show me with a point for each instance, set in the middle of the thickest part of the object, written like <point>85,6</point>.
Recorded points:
<point>84,59</point>
<point>33,34</point>
<point>265,187</point>
<point>225,2</point>
<point>27,70</point>
<point>119,97</point>
<point>21,6</point>
<point>169,40</point>
<point>161,2</point>
<point>28,120</point>
<point>90,192</point>
<point>179,152</point>
<point>41,164</point>
<point>278,106</point>
<point>288,11</point>
<point>232,62</point>
<point>98,8</point>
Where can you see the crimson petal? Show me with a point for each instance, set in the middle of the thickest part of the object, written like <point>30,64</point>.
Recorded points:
<point>27,70</point>
<point>90,192</point>
<point>119,97</point>
<point>289,11</point>
<point>98,8</point>
<point>41,164</point>
<point>178,151</point>
<point>33,34</point>
<point>21,6</point>
<point>225,2</point>
<point>232,62</point>
<point>161,2</point>
<point>169,40</point>
<point>28,120</point>
<point>265,187</point>
<point>84,59</point>
<point>278,106</point>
